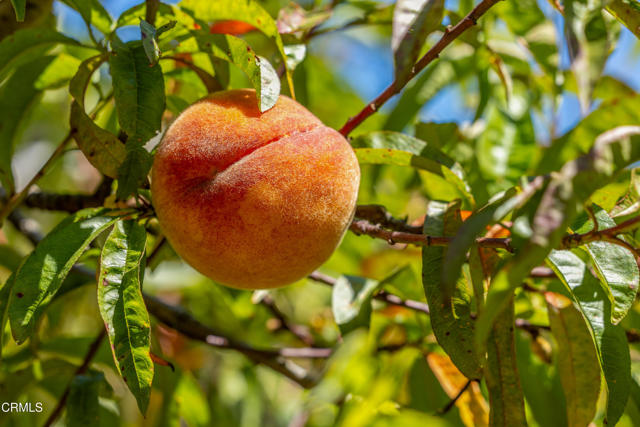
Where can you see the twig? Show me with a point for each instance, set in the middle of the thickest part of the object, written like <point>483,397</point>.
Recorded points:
<point>69,202</point>
<point>299,331</point>
<point>93,348</point>
<point>542,273</point>
<point>453,401</point>
<point>180,320</point>
<point>449,36</point>
<point>360,227</point>
<point>385,296</point>
<point>574,240</point>
<point>151,10</point>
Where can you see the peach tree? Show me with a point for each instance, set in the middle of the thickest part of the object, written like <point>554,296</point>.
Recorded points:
<point>489,273</point>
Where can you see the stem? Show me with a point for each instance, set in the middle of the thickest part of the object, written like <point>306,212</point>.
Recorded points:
<point>180,320</point>
<point>395,87</point>
<point>151,11</point>
<point>360,227</point>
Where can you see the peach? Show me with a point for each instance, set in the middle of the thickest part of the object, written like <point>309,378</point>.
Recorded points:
<point>253,200</point>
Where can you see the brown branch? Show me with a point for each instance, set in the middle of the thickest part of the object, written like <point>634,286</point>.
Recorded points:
<point>69,202</point>
<point>299,331</point>
<point>395,87</point>
<point>574,240</point>
<point>360,227</point>
<point>542,273</point>
<point>179,319</point>
<point>91,352</point>
<point>151,10</point>
<point>384,296</point>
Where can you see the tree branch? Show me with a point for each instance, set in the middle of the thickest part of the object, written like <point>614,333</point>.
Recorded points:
<point>575,240</point>
<point>299,331</point>
<point>449,36</point>
<point>70,202</point>
<point>179,319</point>
<point>151,11</point>
<point>360,227</point>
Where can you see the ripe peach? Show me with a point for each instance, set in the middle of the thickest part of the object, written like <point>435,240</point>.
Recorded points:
<point>253,200</point>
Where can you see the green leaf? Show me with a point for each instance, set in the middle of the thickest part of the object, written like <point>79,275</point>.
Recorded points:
<point>506,147</point>
<point>82,403</point>
<point>138,91</point>
<point>394,148</point>
<point>540,383</point>
<point>610,340</point>
<point>624,110</point>
<point>260,72</point>
<point>506,398</point>
<point>133,171</point>
<point>24,42</point>
<point>192,408</point>
<point>19,7</point>
<point>451,319</point>
<point>421,89</point>
<point>102,148</point>
<point>616,267</point>
<point>80,81</point>
<point>556,210</point>
<point>140,103</point>
<point>577,359</point>
<point>438,134</point>
<point>249,11</point>
<point>587,39</point>
<point>627,12</point>
<point>17,94</point>
<point>521,16</point>
<point>133,15</point>
<point>351,302</point>
<point>123,309</point>
<point>466,235</point>
<point>92,13</point>
<point>58,72</point>
<point>41,274</point>
<point>149,43</point>
<point>413,21</point>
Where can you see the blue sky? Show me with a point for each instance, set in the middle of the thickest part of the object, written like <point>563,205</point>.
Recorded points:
<point>366,62</point>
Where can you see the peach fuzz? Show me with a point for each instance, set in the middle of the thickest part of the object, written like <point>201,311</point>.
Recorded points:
<point>253,200</point>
